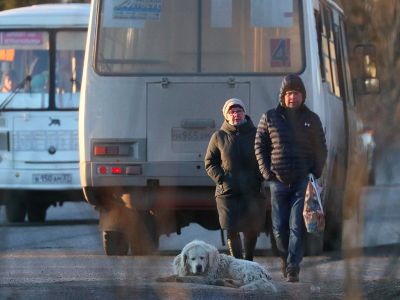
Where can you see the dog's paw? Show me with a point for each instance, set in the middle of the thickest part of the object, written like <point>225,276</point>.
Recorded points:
<point>172,278</point>
<point>227,283</point>
<point>219,282</point>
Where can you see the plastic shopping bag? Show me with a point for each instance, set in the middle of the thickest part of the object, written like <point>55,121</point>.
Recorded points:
<point>313,212</point>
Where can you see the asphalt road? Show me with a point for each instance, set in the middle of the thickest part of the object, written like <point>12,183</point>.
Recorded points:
<point>63,259</point>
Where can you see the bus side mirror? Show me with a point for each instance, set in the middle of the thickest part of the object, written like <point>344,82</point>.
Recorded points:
<point>366,80</point>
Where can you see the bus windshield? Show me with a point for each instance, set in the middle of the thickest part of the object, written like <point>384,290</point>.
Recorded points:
<point>199,37</point>
<point>26,77</point>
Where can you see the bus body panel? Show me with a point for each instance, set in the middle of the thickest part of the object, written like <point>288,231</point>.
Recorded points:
<point>186,134</point>
<point>39,142</point>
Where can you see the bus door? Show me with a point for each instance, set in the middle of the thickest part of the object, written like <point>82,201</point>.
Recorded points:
<point>187,115</point>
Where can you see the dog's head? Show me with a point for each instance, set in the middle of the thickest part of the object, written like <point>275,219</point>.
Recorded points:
<point>195,259</point>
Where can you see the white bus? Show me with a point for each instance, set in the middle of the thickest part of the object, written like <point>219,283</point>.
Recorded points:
<point>41,53</point>
<point>156,74</point>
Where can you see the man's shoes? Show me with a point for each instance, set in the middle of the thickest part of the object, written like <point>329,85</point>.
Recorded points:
<point>292,276</point>
<point>283,267</point>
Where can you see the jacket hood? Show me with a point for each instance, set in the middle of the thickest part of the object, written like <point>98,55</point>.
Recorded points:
<point>291,82</point>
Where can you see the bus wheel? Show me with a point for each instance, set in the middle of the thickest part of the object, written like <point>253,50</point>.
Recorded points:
<point>313,244</point>
<point>37,213</point>
<point>115,243</point>
<point>15,211</point>
<point>145,238</point>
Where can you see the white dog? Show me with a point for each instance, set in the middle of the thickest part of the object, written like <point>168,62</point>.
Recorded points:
<point>200,262</point>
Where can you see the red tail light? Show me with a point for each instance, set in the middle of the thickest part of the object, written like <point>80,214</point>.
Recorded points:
<point>102,170</point>
<point>119,169</point>
<point>116,170</point>
<point>106,150</point>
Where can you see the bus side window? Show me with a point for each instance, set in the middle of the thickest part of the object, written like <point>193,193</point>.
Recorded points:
<point>328,50</point>
<point>318,25</point>
<point>340,45</point>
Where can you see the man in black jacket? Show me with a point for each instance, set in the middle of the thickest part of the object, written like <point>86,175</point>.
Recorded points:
<point>290,144</point>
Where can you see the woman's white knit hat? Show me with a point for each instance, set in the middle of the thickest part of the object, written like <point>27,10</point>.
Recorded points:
<point>231,102</point>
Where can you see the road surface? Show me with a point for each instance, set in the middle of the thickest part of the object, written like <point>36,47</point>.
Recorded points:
<point>63,259</point>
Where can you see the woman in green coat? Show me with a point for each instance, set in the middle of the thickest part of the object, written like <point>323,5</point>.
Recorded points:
<point>231,163</point>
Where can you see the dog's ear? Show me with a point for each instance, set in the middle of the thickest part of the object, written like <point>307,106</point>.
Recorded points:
<point>213,257</point>
<point>185,264</point>
<point>179,265</point>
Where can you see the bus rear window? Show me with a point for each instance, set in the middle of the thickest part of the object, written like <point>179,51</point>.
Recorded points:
<point>199,37</point>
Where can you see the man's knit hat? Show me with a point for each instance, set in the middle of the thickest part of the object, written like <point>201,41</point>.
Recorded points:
<point>232,102</point>
<point>291,82</point>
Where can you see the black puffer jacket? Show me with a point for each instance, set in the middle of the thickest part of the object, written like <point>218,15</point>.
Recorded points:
<point>290,144</point>
<point>231,163</point>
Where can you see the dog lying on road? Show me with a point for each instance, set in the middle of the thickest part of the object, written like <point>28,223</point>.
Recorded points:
<point>201,263</point>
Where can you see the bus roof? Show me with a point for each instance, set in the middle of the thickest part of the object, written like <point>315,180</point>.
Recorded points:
<point>46,16</point>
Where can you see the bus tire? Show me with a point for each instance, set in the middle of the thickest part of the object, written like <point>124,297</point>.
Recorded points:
<point>36,213</point>
<point>145,237</point>
<point>15,211</point>
<point>115,243</point>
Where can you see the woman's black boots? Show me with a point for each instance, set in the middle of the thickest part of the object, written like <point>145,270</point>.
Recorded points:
<point>250,241</point>
<point>235,245</point>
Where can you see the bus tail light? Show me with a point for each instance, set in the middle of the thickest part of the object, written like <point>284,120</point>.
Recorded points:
<point>133,170</point>
<point>102,170</point>
<point>112,149</point>
<point>119,170</point>
<point>116,170</point>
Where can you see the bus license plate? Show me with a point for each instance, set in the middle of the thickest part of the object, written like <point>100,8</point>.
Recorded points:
<point>179,134</point>
<point>52,178</point>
